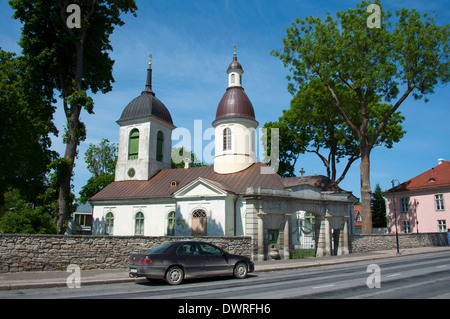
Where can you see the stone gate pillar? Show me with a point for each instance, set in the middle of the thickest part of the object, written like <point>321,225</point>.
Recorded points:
<point>324,240</point>
<point>261,246</point>
<point>287,237</point>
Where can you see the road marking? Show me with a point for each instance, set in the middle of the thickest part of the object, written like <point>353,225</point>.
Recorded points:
<point>320,287</point>
<point>394,275</point>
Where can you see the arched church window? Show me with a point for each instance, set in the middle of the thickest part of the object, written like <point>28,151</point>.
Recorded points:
<point>233,78</point>
<point>139,224</point>
<point>133,144</point>
<point>159,146</point>
<point>109,224</point>
<point>227,139</point>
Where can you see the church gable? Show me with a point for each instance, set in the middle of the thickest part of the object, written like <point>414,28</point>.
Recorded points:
<point>201,188</point>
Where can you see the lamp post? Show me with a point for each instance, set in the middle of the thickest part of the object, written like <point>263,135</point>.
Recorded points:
<point>395,211</point>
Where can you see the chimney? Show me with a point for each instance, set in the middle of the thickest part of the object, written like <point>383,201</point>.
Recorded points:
<point>440,161</point>
<point>187,163</point>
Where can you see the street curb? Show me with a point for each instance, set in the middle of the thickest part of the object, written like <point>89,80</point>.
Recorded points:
<point>37,285</point>
<point>263,267</point>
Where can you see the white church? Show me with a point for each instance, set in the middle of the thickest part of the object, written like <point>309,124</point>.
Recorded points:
<point>237,196</point>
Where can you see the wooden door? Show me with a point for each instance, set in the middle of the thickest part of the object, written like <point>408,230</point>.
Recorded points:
<point>199,223</point>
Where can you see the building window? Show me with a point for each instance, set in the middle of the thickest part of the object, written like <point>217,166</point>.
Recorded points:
<point>159,146</point>
<point>233,78</point>
<point>171,224</point>
<point>83,220</point>
<point>442,226</point>
<point>133,144</point>
<point>227,139</point>
<point>404,205</point>
<point>139,224</point>
<point>109,224</point>
<point>439,202</point>
<point>406,227</point>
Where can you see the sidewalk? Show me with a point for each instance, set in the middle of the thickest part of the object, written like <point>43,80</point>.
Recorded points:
<point>46,279</point>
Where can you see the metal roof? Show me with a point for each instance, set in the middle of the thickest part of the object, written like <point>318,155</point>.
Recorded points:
<point>159,186</point>
<point>235,104</point>
<point>146,105</point>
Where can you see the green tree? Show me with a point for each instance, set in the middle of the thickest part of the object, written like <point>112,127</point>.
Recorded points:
<point>391,62</point>
<point>101,162</point>
<point>72,61</point>
<point>17,216</point>
<point>312,124</point>
<point>290,146</point>
<point>378,208</point>
<point>26,115</point>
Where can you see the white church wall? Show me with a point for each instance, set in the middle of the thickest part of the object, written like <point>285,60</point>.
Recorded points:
<point>141,163</point>
<point>243,146</point>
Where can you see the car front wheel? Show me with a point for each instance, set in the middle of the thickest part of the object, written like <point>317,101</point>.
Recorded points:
<point>240,270</point>
<point>175,275</point>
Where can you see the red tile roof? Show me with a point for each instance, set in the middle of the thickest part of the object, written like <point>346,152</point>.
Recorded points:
<point>438,176</point>
<point>159,185</point>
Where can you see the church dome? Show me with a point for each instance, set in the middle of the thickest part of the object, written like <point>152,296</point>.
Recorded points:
<point>235,103</point>
<point>235,65</point>
<point>146,105</point>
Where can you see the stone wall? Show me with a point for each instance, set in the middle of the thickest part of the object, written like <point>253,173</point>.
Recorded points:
<point>54,252</point>
<point>367,243</point>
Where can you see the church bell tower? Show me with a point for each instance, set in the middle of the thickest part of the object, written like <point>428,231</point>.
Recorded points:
<point>235,126</point>
<point>145,137</point>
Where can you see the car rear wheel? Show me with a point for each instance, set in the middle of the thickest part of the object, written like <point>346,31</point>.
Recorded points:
<point>175,275</point>
<point>240,270</point>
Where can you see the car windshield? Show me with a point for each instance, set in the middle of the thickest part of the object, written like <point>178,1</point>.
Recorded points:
<point>160,249</point>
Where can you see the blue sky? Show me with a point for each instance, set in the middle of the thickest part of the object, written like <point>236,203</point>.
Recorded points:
<point>192,46</point>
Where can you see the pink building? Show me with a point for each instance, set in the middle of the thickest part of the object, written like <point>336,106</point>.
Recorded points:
<point>421,203</point>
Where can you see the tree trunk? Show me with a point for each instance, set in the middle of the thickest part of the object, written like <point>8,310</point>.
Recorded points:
<point>64,196</point>
<point>365,190</point>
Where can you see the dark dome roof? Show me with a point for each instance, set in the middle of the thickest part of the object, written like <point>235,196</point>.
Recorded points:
<point>235,103</point>
<point>145,106</point>
<point>235,65</point>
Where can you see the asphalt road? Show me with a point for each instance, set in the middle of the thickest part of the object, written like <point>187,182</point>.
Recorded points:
<point>413,277</point>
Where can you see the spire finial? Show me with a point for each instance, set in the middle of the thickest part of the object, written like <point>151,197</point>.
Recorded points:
<point>148,84</point>
<point>234,49</point>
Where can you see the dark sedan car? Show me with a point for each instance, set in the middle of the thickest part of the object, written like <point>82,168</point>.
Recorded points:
<point>177,261</point>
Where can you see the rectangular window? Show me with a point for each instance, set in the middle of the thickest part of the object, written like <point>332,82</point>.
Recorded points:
<point>406,227</point>
<point>404,205</point>
<point>133,145</point>
<point>439,202</point>
<point>83,220</point>
<point>442,226</point>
